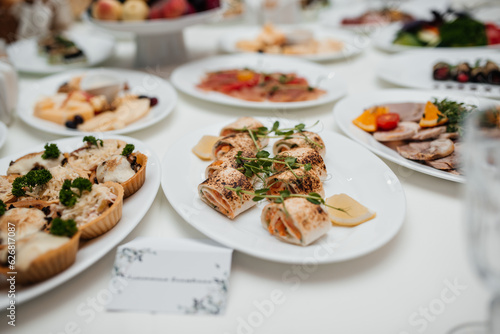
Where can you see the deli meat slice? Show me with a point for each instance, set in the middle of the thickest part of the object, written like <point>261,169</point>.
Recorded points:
<point>430,133</point>
<point>428,150</point>
<point>450,162</point>
<point>408,111</point>
<point>404,130</point>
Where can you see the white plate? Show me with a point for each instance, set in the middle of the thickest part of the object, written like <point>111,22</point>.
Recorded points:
<point>376,187</point>
<point>351,107</point>
<point>3,133</point>
<point>140,83</point>
<point>334,16</point>
<point>384,37</point>
<point>134,209</point>
<point>25,57</point>
<point>229,40</point>
<point>186,77</point>
<point>414,69</point>
<point>157,27</point>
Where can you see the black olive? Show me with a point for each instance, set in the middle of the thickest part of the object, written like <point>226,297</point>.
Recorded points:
<point>70,124</point>
<point>78,119</point>
<point>143,97</point>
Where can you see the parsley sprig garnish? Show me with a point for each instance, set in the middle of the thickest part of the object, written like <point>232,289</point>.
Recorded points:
<point>91,140</point>
<point>3,207</point>
<point>63,228</point>
<point>30,181</point>
<point>51,151</point>
<point>67,196</point>
<point>128,149</point>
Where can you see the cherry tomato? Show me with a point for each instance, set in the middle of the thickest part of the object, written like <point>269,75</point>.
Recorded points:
<point>387,121</point>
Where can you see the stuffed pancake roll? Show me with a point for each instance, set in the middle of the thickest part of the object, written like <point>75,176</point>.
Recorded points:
<point>303,156</point>
<point>305,222</point>
<point>297,181</point>
<point>213,192</point>
<point>298,140</point>
<point>240,125</point>
<point>239,141</point>
<point>228,161</point>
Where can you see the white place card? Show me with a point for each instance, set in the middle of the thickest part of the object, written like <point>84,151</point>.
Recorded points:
<point>187,276</point>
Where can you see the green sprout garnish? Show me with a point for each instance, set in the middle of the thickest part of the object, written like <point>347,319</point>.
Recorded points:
<point>3,207</point>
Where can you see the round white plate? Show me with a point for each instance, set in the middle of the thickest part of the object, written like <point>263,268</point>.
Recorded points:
<point>375,186</point>
<point>333,17</point>
<point>351,47</point>
<point>140,83</point>
<point>25,57</point>
<point>414,69</point>
<point>384,37</point>
<point>186,77</point>
<point>3,133</point>
<point>134,209</point>
<point>156,27</point>
<point>349,108</point>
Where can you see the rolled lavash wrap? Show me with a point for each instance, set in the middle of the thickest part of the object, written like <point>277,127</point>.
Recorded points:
<point>242,123</point>
<point>303,182</point>
<point>300,139</point>
<point>228,161</point>
<point>301,223</point>
<point>213,192</point>
<point>303,155</point>
<point>239,141</point>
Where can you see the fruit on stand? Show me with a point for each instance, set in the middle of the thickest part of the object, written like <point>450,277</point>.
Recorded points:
<point>107,10</point>
<point>135,10</point>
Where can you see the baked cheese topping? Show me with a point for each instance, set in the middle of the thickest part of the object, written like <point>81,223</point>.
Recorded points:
<point>27,221</point>
<point>28,249</point>
<point>50,190</point>
<point>89,158</point>
<point>33,161</point>
<point>115,169</point>
<point>89,206</point>
<point>5,189</point>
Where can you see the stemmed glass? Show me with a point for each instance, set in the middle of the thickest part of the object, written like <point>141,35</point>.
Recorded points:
<point>482,168</point>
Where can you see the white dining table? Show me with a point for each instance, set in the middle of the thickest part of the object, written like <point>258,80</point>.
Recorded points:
<point>422,281</point>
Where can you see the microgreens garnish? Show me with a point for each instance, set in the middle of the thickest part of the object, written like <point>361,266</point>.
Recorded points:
<point>456,113</point>
<point>261,194</point>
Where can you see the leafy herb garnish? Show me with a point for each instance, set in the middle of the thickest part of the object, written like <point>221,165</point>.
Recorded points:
<point>51,151</point>
<point>91,140</point>
<point>67,196</point>
<point>456,112</point>
<point>128,149</point>
<point>30,180</point>
<point>260,194</point>
<point>63,228</point>
<point>3,207</point>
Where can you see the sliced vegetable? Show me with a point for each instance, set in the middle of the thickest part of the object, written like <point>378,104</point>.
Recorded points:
<point>387,121</point>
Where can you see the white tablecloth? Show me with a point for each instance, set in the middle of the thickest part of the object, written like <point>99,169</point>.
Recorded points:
<point>420,282</point>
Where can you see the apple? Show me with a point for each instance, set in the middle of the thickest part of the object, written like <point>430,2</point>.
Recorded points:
<point>108,10</point>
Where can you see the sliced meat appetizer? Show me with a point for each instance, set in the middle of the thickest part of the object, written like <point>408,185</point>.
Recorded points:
<point>301,139</point>
<point>405,130</point>
<point>449,135</point>
<point>242,123</point>
<point>297,181</point>
<point>239,141</point>
<point>228,161</point>
<point>429,133</point>
<point>301,223</point>
<point>407,111</point>
<point>428,150</point>
<point>448,163</point>
<point>213,191</point>
<point>304,156</point>
<point>33,161</point>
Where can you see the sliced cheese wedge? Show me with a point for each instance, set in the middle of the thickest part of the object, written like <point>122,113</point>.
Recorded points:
<point>354,213</point>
